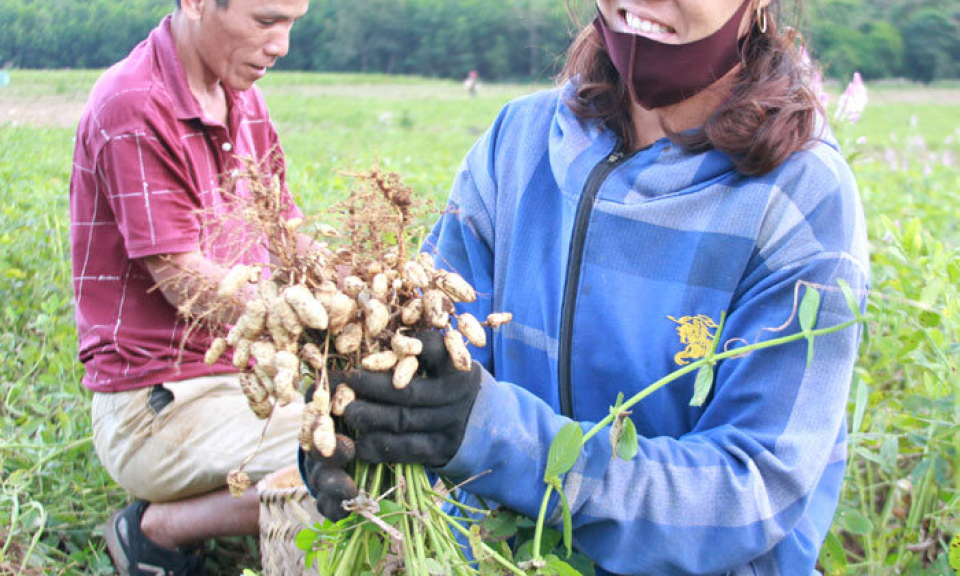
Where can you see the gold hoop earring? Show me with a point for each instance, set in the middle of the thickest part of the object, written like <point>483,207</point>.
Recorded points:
<point>762,19</point>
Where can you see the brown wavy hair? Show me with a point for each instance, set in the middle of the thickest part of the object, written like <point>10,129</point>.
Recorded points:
<point>770,113</point>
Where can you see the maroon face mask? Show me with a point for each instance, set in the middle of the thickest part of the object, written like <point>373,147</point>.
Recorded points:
<point>659,74</point>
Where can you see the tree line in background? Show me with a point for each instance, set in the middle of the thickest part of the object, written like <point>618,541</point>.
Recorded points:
<point>510,39</point>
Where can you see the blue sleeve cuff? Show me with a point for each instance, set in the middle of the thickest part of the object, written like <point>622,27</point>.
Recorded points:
<point>508,434</point>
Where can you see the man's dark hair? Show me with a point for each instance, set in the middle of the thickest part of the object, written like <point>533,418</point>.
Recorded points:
<point>220,3</point>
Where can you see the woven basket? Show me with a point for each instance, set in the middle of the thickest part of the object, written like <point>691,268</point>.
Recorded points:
<point>285,508</point>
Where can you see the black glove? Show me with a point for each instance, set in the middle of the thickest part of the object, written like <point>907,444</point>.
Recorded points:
<point>327,478</point>
<point>423,423</point>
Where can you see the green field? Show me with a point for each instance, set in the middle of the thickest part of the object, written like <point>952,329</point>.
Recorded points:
<point>902,495</point>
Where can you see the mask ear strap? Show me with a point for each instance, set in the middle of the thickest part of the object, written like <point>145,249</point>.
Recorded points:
<point>629,79</point>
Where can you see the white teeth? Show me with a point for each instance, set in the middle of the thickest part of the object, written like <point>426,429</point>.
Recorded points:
<point>644,26</point>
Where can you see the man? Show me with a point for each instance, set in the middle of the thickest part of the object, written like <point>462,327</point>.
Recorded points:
<point>160,131</point>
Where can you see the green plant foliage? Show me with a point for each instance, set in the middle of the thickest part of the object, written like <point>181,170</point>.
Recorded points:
<point>900,502</point>
<point>447,38</point>
<point>564,451</point>
<point>809,307</point>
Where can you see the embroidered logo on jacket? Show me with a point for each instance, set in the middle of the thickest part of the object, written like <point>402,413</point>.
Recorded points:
<point>694,331</point>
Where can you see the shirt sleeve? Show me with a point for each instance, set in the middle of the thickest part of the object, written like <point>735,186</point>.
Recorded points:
<point>145,182</point>
<point>717,497</point>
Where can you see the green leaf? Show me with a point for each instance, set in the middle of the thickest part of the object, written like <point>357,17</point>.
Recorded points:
<point>852,302</point>
<point>582,564</point>
<point>628,446</point>
<point>889,451</point>
<point>391,512</point>
<point>833,559</point>
<point>564,450</point>
<point>375,551</point>
<point>701,389</point>
<point>475,540</point>
<point>499,525</point>
<point>305,539</point>
<point>929,319</point>
<point>955,552</point>
<point>557,566</point>
<point>863,397</point>
<point>567,523</point>
<point>854,522</point>
<point>434,568</point>
<point>808,309</point>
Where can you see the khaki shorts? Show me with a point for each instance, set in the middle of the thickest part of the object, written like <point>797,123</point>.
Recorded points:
<point>161,450</point>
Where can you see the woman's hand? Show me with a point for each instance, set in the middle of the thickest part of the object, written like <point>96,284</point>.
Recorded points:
<point>424,422</point>
<point>327,478</point>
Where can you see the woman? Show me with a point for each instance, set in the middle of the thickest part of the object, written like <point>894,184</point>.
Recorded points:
<point>680,172</point>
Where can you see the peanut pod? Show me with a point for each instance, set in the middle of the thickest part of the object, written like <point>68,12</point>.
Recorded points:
<point>353,285</point>
<point>327,231</point>
<point>266,379</point>
<point>459,354</point>
<point>234,335</point>
<point>311,354</point>
<point>311,412</point>
<point>404,371</point>
<point>238,482</point>
<point>348,341</point>
<point>325,436</point>
<point>264,352</point>
<point>241,354</point>
<point>286,387</point>
<point>376,318</point>
<point>471,329</point>
<point>281,338</point>
<point>436,306</point>
<point>415,275</point>
<point>426,260</point>
<point>288,318</point>
<point>380,287</point>
<point>379,361</point>
<point>310,311</point>
<point>454,286</point>
<point>498,319</point>
<point>411,312</point>
<point>342,310</point>
<point>254,319</point>
<point>262,409</point>
<point>341,399</point>
<point>405,345</point>
<point>252,388</point>
<point>216,350</point>
<point>234,280</point>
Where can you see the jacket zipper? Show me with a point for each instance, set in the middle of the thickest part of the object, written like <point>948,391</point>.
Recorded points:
<point>574,262</point>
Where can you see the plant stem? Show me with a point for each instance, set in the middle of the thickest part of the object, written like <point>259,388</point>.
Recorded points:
<point>541,519</point>
<point>710,360</point>
<point>487,549</point>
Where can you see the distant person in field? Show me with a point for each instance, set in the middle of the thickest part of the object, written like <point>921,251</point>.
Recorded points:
<point>682,174</point>
<point>159,133</point>
<point>471,82</point>
<point>5,75</point>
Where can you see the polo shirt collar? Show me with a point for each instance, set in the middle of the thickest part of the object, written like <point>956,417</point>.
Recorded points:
<point>185,104</point>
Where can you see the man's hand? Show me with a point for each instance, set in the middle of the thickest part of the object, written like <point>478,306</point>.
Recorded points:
<point>191,279</point>
<point>327,478</point>
<point>423,423</point>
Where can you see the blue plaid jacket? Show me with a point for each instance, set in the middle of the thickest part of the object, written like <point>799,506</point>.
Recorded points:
<point>616,269</point>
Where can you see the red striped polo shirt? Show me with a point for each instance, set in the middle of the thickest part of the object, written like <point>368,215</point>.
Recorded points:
<point>148,174</point>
